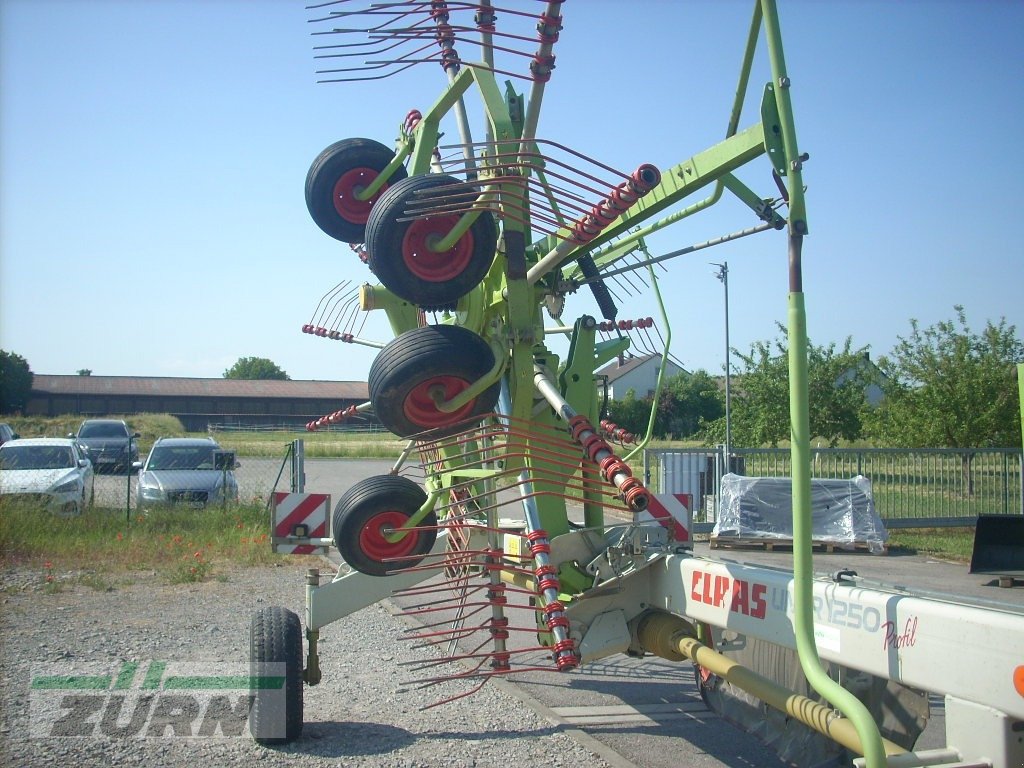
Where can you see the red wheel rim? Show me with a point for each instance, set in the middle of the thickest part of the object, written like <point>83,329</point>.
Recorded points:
<point>345,189</point>
<point>376,547</point>
<point>435,266</point>
<point>419,406</point>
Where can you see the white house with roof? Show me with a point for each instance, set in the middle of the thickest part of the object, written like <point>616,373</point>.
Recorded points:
<point>639,374</point>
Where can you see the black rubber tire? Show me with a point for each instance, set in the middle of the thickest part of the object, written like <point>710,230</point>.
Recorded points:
<point>329,170</point>
<point>434,355</point>
<point>275,637</point>
<point>397,249</point>
<point>368,505</point>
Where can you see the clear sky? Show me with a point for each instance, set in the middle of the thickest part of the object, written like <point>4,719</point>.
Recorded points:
<point>153,155</point>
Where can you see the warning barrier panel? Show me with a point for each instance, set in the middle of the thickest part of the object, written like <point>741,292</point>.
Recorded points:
<point>673,511</point>
<point>300,523</point>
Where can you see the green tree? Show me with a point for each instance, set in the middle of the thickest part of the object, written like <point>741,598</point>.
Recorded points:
<point>687,402</point>
<point>84,371</point>
<point>760,399</point>
<point>630,413</point>
<point>948,386</point>
<point>255,368</point>
<point>15,382</point>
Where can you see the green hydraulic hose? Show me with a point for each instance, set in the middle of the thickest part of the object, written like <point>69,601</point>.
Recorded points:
<point>807,652</point>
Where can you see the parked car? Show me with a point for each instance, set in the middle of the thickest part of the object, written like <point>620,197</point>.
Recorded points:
<point>108,444</point>
<point>49,471</point>
<point>187,470</point>
<point>6,433</point>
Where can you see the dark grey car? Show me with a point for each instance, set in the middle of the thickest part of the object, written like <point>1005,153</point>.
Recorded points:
<point>188,471</point>
<point>108,444</point>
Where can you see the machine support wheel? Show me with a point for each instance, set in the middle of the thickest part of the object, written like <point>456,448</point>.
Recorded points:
<point>368,511</point>
<point>434,361</point>
<point>334,179</point>
<point>399,241</point>
<point>275,648</point>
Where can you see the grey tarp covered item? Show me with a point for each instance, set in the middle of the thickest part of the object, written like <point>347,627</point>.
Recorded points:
<point>842,511</point>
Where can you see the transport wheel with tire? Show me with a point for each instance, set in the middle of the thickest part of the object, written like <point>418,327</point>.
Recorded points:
<point>426,365</point>
<point>400,241</point>
<point>334,179</point>
<point>275,649</point>
<point>371,509</point>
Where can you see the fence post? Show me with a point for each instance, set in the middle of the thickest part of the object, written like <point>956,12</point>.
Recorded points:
<point>298,466</point>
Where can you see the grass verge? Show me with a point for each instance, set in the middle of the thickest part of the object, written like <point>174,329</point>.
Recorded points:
<point>100,547</point>
<point>955,544</point>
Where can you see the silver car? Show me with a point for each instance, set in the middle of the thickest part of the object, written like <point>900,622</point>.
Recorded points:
<point>49,471</point>
<point>187,471</point>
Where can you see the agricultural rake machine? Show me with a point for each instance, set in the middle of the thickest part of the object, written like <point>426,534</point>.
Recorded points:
<point>512,526</point>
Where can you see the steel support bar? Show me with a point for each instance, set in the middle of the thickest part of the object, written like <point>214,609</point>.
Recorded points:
<point>352,591</point>
<point>678,182</point>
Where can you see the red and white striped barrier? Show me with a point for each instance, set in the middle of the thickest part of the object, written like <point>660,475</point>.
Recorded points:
<point>300,512</point>
<point>672,510</point>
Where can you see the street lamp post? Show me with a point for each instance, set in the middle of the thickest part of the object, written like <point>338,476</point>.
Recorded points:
<point>723,275</point>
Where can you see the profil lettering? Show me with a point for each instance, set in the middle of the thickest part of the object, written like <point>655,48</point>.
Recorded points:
<point>738,595</point>
<point>906,639</point>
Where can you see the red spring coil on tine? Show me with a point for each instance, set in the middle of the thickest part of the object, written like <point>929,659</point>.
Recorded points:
<point>634,494</point>
<point>412,119</point>
<point>623,196</point>
<point>565,655</point>
<point>553,607</point>
<point>604,217</point>
<point>646,178</point>
<point>498,630</point>
<point>546,584</point>
<point>450,59</point>
<point>545,571</point>
<point>541,67</point>
<point>540,548</point>
<point>439,10</point>
<point>578,425</point>
<point>444,34</point>
<point>593,444</point>
<point>484,19</point>
<point>548,28</point>
<point>597,447</point>
<point>586,229</point>
<point>608,462</point>
<point>501,660</point>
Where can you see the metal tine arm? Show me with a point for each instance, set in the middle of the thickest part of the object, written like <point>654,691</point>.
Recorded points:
<point>354,53</point>
<point>378,9</point>
<point>366,65</point>
<point>518,161</point>
<point>318,312</point>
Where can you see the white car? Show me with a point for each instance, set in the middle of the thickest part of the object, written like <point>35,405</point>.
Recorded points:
<point>49,471</point>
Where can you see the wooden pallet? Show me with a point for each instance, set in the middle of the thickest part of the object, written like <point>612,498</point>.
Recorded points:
<point>786,545</point>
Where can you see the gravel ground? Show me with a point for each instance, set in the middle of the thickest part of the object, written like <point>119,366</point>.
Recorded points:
<point>359,715</point>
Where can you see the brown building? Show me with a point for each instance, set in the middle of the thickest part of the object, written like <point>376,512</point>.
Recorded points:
<point>196,402</point>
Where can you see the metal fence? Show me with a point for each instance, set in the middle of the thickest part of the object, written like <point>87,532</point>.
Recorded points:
<point>256,477</point>
<point>925,487</point>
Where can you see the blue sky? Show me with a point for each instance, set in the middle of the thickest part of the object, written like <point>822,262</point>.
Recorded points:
<point>153,155</point>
